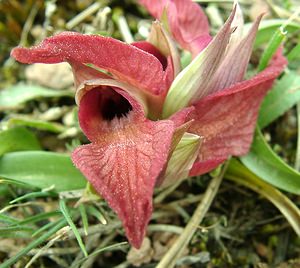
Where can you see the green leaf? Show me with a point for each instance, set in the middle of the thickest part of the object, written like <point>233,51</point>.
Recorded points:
<point>284,95</point>
<point>13,97</point>
<point>18,139</point>
<point>268,27</point>
<point>41,169</point>
<point>38,124</point>
<point>294,54</point>
<point>263,162</point>
<point>238,173</point>
<point>276,40</point>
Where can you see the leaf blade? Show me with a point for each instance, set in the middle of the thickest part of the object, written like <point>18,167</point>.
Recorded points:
<point>238,173</point>
<point>42,169</point>
<point>284,95</point>
<point>15,96</point>
<point>263,162</point>
<point>18,139</point>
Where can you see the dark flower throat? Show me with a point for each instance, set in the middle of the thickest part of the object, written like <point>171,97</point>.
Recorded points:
<point>113,105</point>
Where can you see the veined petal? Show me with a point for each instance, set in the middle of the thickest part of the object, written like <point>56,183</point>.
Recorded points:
<point>188,23</point>
<point>192,82</point>
<point>126,156</point>
<point>182,159</point>
<point>226,120</point>
<point>124,62</point>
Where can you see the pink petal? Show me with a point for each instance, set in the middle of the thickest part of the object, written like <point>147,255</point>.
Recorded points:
<point>187,22</point>
<point>148,47</point>
<point>125,158</point>
<point>181,116</point>
<point>125,62</point>
<point>205,166</point>
<point>165,60</point>
<point>227,119</point>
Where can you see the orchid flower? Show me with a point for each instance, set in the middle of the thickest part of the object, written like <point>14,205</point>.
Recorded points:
<point>149,122</point>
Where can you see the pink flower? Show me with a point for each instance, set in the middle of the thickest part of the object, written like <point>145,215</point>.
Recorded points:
<point>150,123</point>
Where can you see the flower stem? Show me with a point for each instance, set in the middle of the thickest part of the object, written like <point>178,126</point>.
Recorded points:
<point>170,258</point>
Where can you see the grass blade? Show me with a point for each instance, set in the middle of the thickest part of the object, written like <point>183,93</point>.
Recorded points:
<point>93,211</point>
<point>59,224</point>
<point>32,195</point>
<point>68,218</point>
<point>84,218</point>
<point>39,217</point>
<point>273,45</point>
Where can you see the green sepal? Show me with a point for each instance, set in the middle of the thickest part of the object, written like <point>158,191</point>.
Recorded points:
<point>182,159</point>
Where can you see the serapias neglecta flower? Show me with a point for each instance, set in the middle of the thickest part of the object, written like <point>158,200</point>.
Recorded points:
<point>149,122</point>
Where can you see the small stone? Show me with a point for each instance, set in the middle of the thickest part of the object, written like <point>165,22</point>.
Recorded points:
<point>56,76</point>
<point>137,257</point>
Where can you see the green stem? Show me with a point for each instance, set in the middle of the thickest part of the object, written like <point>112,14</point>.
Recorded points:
<point>170,258</point>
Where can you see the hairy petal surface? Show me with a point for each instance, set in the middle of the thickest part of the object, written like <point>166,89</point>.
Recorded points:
<point>187,22</point>
<point>127,154</point>
<point>166,61</point>
<point>124,62</point>
<point>226,120</point>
